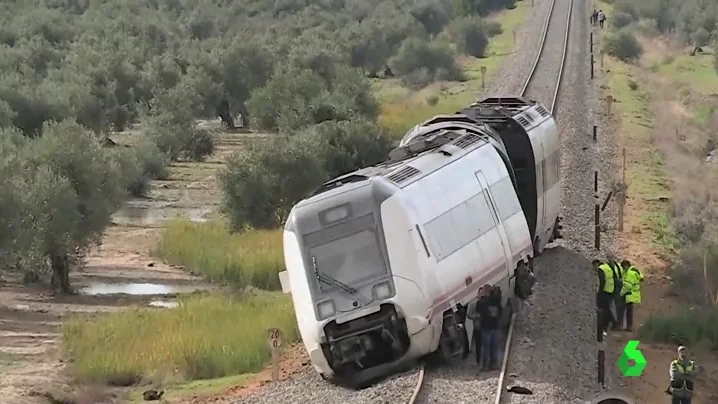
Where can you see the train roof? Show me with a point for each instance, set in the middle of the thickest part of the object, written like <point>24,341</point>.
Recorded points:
<point>495,112</point>
<point>450,135</point>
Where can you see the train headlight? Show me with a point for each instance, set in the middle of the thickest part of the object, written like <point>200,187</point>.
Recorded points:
<point>382,291</point>
<point>326,309</point>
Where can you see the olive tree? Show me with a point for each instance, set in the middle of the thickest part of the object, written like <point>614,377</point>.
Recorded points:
<point>262,183</point>
<point>69,154</point>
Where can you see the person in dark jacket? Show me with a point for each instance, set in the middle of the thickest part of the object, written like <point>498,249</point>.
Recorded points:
<point>474,313</point>
<point>490,324</point>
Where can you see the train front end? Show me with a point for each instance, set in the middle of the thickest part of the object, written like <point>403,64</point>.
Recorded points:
<point>341,280</point>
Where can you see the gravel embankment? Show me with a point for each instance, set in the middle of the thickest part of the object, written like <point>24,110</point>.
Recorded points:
<point>542,88</point>
<point>515,68</point>
<point>442,385</point>
<point>307,387</point>
<point>554,347</point>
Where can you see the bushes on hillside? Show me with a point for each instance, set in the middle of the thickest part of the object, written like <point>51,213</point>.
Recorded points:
<point>262,183</point>
<point>623,45</point>
<point>469,35</point>
<point>621,19</point>
<point>297,97</point>
<point>701,37</point>
<point>437,62</point>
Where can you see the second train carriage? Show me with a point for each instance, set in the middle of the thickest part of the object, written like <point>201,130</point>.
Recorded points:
<point>380,260</point>
<point>530,135</point>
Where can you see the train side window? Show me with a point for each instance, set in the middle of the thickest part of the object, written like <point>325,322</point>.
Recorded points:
<point>461,225</point>
<point>440,240</point>
<point>506,202</point>
<point>480,214</point>
<point>551,170</point>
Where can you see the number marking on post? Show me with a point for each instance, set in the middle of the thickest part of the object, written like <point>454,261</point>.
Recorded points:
<point>276,340</point>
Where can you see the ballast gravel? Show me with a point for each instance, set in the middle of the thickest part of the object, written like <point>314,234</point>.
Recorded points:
<point>308,388</point>
<point>554,351</point>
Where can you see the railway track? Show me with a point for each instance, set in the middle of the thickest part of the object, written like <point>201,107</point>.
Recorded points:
<point>546,65</point>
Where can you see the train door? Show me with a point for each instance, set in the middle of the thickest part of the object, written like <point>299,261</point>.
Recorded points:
<point>508,255</point>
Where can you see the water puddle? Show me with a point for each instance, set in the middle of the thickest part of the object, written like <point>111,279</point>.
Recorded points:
<point>167,304</point>
<point>155,216</point>
<point>137,289</point>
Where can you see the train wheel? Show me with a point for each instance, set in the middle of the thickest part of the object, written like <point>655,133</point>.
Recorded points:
<point>453,343</point>
<point>525,280</point>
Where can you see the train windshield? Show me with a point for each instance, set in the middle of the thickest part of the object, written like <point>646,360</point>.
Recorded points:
<point>349,259</point>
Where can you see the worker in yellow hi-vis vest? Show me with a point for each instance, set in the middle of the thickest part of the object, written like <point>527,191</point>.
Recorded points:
<point>683,375</point>
<point>630,292</point>
<point>604,294</point>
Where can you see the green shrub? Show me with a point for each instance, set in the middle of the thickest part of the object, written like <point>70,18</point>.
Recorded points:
<point>648,27</point>
<point>154,162</point>
<point>416,54</point>
<point>695,327</point>
<point>621,19</point>
<point>469,36</point>
<point>199,146</point>
<point>262,182</point>
<point>623,45</point>
<point>492,28</point>
<point>349,145</point>
<point>701,37</point>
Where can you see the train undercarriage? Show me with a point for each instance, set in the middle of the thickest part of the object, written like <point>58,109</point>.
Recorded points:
<point>364,343</point>
<point>454,342</point>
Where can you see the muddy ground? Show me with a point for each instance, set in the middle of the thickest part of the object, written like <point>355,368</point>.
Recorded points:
<point>119,274</point>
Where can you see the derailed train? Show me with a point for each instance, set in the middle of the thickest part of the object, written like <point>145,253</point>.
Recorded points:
<point>381,261</point>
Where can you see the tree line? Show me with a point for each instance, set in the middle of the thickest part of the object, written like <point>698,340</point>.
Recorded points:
<point>695,22</point>
<point>74,71</point>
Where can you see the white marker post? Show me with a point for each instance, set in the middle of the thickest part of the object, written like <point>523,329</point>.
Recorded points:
<point>276,340</point>
<point>483,76</point>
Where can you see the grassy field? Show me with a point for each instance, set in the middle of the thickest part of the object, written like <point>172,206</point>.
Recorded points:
<point>662,108</point>
<point>207,336</point>
<point>646,174</point>
<point>197,388</point>
<point>402,109</point>
<point>696,327</point>
<point>253,258</point>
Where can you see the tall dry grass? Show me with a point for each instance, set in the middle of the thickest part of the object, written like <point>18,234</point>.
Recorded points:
<point>253,258</point>
<point>207,336</point>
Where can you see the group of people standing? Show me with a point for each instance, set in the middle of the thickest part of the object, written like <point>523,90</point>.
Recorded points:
<point>598,18</point>
<point>619,285</point>
<point>485,312</point>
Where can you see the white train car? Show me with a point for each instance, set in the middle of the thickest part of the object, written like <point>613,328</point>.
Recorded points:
<point>380,261</point>
<point>530,136</point>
